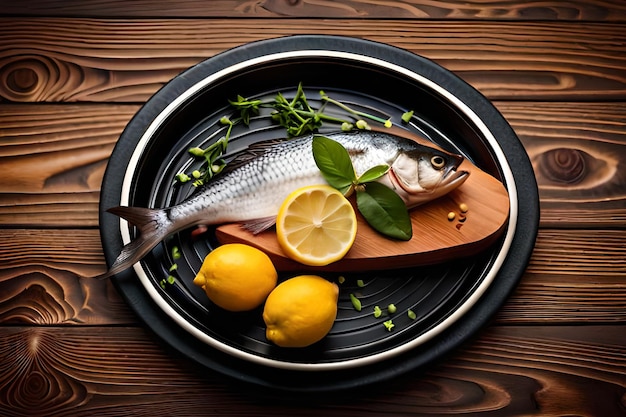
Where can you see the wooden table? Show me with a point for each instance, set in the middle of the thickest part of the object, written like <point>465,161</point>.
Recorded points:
<point>72,73</point>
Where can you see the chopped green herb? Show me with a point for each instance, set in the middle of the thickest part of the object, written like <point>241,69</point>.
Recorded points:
<point>389,325</point>
<point>341,279</point>
<point>360,283</point>
<point>171,279</point>
<point>173,268</point>
<point>406,117</point>
<point>196,151</point>
<point>391,308</point>
<point>182,177</point>
<point>377,312</point>
<point>356,303</point>
<point>362,124</point>
<point>411,314</point>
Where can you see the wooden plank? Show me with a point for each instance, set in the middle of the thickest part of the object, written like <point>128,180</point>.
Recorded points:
<point>55,59</point>
<point>578,155</point>
<point>53,158</point>
<point>58,148</point>
<point>49,209</point>
<point>574,10</point>
<point>574,276</point>
<point>42,279</point>
<point>122,371</point>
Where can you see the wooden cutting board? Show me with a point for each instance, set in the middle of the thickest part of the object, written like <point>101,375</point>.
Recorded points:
<point>435,238</point>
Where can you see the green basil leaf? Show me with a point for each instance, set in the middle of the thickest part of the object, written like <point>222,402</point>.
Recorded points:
<point>334,162</point>
<point>373,174</point>
<point>385,211</point>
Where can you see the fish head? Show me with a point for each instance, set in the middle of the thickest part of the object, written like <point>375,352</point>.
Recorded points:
<point>422,175</point>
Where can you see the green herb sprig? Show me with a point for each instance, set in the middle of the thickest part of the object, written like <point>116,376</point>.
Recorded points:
<point>214,164</point>
<point>380,206</point>
<point>299,117</point>
<point>385,122</point>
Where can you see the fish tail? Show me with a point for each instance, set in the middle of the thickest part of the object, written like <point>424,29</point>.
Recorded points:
<point>153,227</point>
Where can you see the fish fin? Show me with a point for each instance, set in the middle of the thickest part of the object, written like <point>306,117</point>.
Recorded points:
<point>257,226</point>
<point>251,152</point>
<point>152,230</point>
<point>258,148</point>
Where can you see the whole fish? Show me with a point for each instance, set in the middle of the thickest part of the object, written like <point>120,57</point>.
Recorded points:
<point>254,184</point>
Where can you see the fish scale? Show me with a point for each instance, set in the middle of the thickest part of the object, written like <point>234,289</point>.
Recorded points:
<point>255,189</point>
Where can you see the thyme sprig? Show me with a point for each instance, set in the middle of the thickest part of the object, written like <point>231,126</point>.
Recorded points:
<point>214,163</point>
<point>385,122</point>
<point>299,117</point>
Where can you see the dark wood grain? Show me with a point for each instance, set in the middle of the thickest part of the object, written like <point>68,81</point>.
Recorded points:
<point>58,153</point>
<point>414,9</point>
<point>578,155</point>
<point>53,160</point>
<point>41,151</point>
<point>44,279</point>
<point>574,276</point>
<point>114,62</point>
<point>122,371</point>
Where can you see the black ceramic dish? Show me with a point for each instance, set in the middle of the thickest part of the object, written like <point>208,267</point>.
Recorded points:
<point>451,301</point>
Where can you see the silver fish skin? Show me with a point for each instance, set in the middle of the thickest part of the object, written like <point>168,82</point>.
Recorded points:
<point>253,186</point>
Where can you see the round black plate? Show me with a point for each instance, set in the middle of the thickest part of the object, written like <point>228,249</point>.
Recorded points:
<point>451,301</point>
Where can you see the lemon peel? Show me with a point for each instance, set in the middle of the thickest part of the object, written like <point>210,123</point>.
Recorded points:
<point>300,311</point>
<point>237,277</point>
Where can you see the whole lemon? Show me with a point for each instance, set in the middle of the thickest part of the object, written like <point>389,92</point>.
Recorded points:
<point>300,311</point>
<point>237,277</point>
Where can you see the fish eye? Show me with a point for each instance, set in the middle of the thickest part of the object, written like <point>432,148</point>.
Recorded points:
<point>437,161</point>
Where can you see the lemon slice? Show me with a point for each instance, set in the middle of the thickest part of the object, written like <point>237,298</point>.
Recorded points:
<point>316,225</point>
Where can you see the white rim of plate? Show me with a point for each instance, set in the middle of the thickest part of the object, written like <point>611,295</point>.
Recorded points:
<point>350,363</point>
